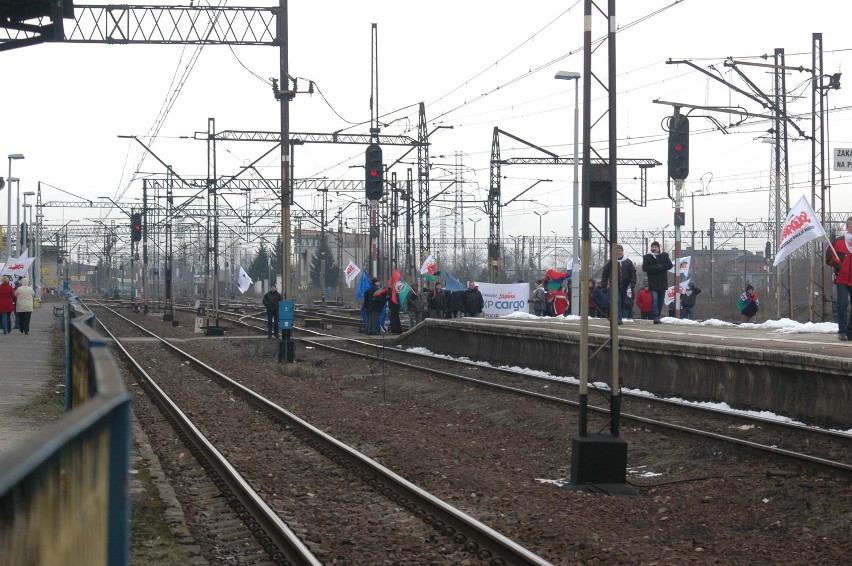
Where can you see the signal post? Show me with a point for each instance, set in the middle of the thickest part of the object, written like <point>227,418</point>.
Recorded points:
<point>678,171</point>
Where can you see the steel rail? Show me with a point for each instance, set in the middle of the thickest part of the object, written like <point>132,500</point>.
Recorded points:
<point>276,532</point>
<point>476,537</point>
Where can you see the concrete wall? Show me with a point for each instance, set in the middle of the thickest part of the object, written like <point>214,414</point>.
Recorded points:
<point>799,385</point>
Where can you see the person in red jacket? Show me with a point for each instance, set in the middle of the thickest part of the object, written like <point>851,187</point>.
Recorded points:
<point>645,302</point>
<point>840,258</point>
<point>7,304</point>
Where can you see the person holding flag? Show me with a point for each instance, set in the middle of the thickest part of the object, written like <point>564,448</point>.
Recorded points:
<point>399,293</point>
<point>839,257</point>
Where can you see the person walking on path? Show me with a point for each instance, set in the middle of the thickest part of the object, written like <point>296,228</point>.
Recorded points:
<point>748,304</point>
<point>473,301</point>
<point>657,264</point>
<point>840,259</point>
<point>270,301</point>
<point>626,280</point>
<point>24,305</point>
<point>7,304</point>
<point>645,303</point>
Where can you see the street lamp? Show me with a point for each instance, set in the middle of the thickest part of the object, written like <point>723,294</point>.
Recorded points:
<point>9,202</point>
<point>745,269</point>
<point>575,289</point>
<point>540,246</point>
<point>22,238</point>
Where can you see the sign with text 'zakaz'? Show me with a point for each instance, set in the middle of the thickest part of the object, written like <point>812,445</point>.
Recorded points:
<point>842,159</point>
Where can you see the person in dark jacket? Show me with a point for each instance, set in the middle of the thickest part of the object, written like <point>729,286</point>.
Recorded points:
<point>840,259</point>
<point>473,301</point>
<point>626,280</point>
<point>437,302</point>
<point>687,301</point>
<point>455,303</point>
<point>374,307</point>
<point>657,264</point>
<point>270,301</point>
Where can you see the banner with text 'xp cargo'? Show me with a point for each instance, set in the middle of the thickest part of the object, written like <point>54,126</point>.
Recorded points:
<point>503,299</point>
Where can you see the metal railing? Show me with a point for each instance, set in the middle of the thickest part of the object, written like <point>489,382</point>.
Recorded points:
<point>64,494</point>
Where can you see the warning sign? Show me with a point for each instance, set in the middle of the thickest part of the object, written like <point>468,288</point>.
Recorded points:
<point>842,159</point>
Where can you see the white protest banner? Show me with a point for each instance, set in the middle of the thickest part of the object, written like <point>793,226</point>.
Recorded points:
<point>352,272</point>
<point>669,298</point>
<point>243,281</point>
<point>800,227</point>
<point>503,299</point>
<point>684,262</point>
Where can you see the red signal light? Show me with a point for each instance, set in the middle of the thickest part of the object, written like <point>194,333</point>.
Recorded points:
<point>678,147</point>
<point>374,173</point>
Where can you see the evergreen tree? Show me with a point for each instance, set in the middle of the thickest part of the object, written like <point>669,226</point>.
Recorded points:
<point>259,268</point>
<point>332,271</point>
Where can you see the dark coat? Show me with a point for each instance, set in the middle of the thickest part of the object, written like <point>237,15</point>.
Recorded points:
<point>657,267</point>
<point>378,298</point>
<point>455,301</point>
<point>473,301</point>
<point>437,300</point>
<point>626,274</point>
<point>271,300</point>
<point>688,300</point>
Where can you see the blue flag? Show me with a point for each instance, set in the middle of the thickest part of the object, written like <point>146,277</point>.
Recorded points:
<point>364,285</point>
<point>453,284</point>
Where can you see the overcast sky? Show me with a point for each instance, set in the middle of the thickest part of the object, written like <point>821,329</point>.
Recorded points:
<point>477,64</point>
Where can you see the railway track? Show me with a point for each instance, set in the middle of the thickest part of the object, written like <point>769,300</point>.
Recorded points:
<point>385,515</point>
<point>788,440</point>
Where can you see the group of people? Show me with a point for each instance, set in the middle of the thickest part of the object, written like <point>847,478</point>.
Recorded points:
<point>553,302</point>
<point>16,300</point>
<point>429,303</point>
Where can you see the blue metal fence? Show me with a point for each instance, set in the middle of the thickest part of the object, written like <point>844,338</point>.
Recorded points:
<point>64,495</point>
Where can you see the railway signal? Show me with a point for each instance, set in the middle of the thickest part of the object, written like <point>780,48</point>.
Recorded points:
<point>136,226</point>
<point>679,147</point>
<point>374,172</point>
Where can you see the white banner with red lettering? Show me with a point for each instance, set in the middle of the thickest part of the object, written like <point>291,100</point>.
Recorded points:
<point>669,298</point>
<point>352,272</point>
<point>684,262</point>
<point>503,299</point>
<point>18,266</point>
<point>800,227</point>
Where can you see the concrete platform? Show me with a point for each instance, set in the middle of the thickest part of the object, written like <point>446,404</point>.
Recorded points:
<point>807,376</point>
<point>26,364</point>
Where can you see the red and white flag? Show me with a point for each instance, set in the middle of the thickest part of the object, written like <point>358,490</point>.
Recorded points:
<point>800,227</point>
<point>429,267</point>
<point>352,272</point>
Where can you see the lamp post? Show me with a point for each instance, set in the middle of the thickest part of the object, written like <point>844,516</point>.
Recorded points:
<point>12,156</point>
<point>745,269</point>
<point>24,236</point>
<point>575,231</point>
<point>540,246</point>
